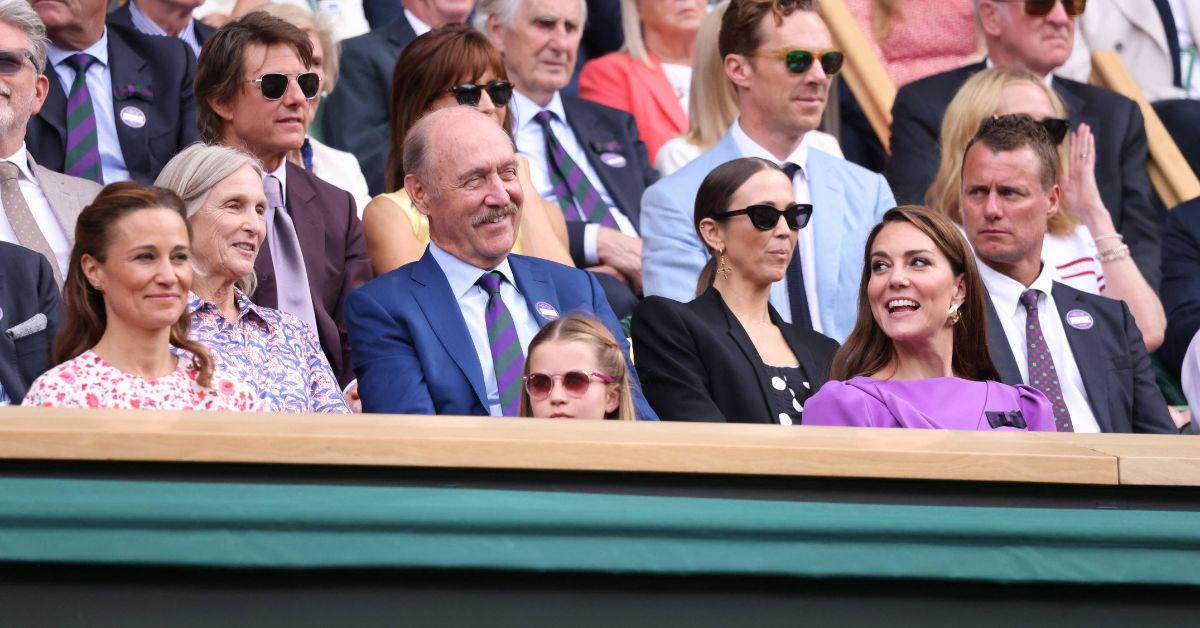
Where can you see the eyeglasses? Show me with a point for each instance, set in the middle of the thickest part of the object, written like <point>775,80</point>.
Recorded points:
<point>1042,8</point>
<point>13,61</point>
<point>1057,128</point>
<point>764,217</point>
<point>275,84</point>
<point>799,61</point>
<point>469,93</point>
<point>576,383</point>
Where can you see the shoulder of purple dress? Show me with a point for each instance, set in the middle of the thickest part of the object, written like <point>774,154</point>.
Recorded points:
<point>844,403</point>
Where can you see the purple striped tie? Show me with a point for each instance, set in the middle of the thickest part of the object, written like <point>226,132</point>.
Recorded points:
<point>578,198</point>
<point>507,358</point>
<point>1042,374</point>
<point>83,144</point>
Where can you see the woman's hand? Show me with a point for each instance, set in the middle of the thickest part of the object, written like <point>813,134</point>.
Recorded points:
<point>1080,193</point>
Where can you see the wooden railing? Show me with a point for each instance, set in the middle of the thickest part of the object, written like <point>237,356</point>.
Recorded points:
<point>863,71</point>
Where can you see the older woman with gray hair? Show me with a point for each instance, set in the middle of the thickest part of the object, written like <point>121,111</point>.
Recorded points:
<point>275,353</point>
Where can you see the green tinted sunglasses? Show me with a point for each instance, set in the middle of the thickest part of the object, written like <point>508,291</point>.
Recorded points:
<point>799,61</point>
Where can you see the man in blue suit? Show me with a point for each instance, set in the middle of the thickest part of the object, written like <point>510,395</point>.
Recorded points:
<point>448,333</point>
<point>1082,350</point>
<point>30,315</point>
<point>781,90</point>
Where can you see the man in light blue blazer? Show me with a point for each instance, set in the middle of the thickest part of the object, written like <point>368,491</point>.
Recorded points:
<point>448,333</point>
<point>782,79</point>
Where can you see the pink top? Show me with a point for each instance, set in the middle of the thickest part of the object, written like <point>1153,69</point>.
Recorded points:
<point>926,37</point>
<point>88,381</point>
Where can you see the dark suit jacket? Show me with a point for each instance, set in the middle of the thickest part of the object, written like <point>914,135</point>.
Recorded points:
<point>122,17</point>
<point>161,69</point>
<point>356,112</point>
<point>1180,282</point>
<point>1121,150</point>
<point>26,288</point>
<point>1112,360</point>
<point>335,257</point>
<point>601,130</point>
<point>698,364</point>
<point>413,353</point>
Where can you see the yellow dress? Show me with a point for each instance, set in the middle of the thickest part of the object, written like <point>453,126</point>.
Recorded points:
<point>420,222</point>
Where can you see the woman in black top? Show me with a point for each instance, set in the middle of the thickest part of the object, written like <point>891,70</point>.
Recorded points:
<point>727,355</point>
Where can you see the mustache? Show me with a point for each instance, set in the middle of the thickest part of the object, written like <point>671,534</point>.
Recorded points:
<point>494,214</point>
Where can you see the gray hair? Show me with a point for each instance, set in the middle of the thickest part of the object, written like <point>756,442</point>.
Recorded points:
<point>506,11</point>
<point>196,170</point>
<point>20,14</point>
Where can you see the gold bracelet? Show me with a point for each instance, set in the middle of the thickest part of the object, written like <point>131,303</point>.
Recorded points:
<point>1115,254</point>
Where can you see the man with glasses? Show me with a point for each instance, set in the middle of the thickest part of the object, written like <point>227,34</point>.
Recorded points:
<point>119,104</point>
<point>252,84</point>
<point>1037,35</point>
<point>583,156</point>
<point>779,56</point>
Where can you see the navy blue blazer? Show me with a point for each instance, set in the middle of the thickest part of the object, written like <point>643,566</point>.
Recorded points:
<point>601,130</point>
<point>122,17</point>
<point>356,112</point>
<point>411,348</point>
<point>1180,282</point>
<point>1112,360</point>
<point>150,73</point>
<point>1121,150</point>
<point>27,288</point>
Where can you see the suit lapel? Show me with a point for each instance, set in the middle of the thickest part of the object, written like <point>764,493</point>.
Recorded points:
<point>738,334</point>
<point>808,362</point>
<point>127,68</point>
<point>305,208</point>
<point>535,287</point>
<point>1144,15</point>
<point>1076,106</point>
<point>54,109</point>
<point>1089,356</point>
<point>400,33</point>
<point>63,201</point>
<point>829,216</point>
<point>1002,355</point>
<point>441,310</point>
<point>583,124</point>
<point>661,91</point>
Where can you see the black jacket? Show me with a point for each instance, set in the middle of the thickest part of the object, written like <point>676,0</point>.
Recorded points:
<point>27,289</point>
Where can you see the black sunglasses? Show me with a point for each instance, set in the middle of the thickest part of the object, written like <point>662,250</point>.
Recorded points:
<point>275,84</point>
<point>764,217</point>
<point>799,61</point>
<point>1042,8</point>
<point>1057,128</point>
<point>469,93</point>
<point>13,61</point>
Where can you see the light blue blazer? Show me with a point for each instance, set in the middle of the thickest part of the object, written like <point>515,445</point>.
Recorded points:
<point>848,201</point>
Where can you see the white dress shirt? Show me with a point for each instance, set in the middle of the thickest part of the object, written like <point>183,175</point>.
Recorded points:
<point>419,27</point>
<point>47,221</point>
<point>805,247</point>
<point>1073,260</point>
<point>531,142</point>
<point>99,83</point>
<point>472,301</point>
<point>1006,298</point>
<point>150,27</point>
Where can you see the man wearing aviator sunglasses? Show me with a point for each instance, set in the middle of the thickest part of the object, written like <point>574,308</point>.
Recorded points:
<point>1037,35</point>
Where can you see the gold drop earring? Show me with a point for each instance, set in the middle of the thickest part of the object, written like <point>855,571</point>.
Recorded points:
<point>724,267</point>
<point>954,314</point>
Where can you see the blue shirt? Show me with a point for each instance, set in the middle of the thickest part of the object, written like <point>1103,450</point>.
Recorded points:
<point>149,27</point>
<point>99,83</point>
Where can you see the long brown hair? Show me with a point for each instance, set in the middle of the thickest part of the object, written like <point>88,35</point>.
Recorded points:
<point>868,350</point>
<point>714,196</point>
<point>86,318</point>
<point>429,66</point>
<point>610,358</point>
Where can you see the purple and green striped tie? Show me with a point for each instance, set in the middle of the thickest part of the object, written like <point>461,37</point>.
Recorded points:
<point>507,358</point>
<point>83,144</point>
<point>578,198</point>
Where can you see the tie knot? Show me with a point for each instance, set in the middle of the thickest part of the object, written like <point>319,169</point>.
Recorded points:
<point>543,117</point>
<point>9,171</point>
<point>273,188</point>
<point>490,281</point>
<point>81,61</point>
<point>790,169</point>
<point>1029,299</point>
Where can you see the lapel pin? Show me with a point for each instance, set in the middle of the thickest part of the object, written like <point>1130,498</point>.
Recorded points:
<point>1079,319</point>
<point>133,117</point>
<point>613,160</point>
<point>546,310</point>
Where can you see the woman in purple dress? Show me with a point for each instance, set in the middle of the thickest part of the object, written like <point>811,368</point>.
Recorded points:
<point>918,354</point>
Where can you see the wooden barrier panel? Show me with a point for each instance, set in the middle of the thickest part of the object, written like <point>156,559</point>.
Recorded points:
<point>863,71</point>
<point>1169,171</point>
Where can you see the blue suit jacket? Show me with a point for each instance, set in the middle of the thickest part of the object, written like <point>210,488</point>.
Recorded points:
<point>411,348</point>
<point>847,202</point>
<point>27,288</point>
<point>1180,282</point>
<point>1112,360</point>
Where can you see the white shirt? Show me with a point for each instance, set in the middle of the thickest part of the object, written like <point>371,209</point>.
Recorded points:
<point>805,247</point>
<point>99,84</point>
<point>531,142</point>
<point>472,302</point>
<point>419,27</point>
<point>1006,297</point>
<point>680,78</point>
<point>47,222</point>
<point>1072,259</point>
<point>1189,63</point>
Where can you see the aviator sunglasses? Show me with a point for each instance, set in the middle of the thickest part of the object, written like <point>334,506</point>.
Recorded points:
<point>576,383</point>
<point>275,84</point>
<point>764,217</point>
<point>13,61</point>
<point>799,61</point>
<point>1042,8</point>
<point>469,93</point>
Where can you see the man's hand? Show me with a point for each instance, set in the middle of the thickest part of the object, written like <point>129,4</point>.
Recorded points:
<point>622,252</point>
<point>353,399</point>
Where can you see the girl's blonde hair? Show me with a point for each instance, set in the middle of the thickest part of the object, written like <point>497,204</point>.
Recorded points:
<point>609,357</point>
<point>975,102</point>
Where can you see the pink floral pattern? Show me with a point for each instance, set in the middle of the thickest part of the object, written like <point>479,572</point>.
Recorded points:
<point>89,381</point>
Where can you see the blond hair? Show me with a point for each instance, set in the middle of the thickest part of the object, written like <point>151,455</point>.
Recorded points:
<point>712,104</point>
<point>974,103</point>
<point>609,357</point>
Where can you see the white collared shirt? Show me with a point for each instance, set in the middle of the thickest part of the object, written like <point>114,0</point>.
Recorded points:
<point>47,221</point>
<point>419,27</point>
<point>100,87</point>
<point>472,302</point>
<point>1049,78</point>
<point>531,142</point>
<point>148,26</point>
<point>1005,293</point>
<point>805,243</point>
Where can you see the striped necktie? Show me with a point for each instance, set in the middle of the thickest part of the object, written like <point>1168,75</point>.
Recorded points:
<point>1042,374</point>
<point>578,198</point>
<point>797,295</point>
<point>507,359</point>
<point>83,143</point>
